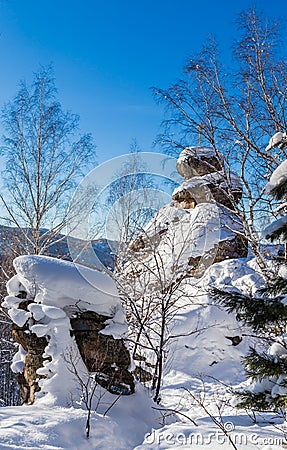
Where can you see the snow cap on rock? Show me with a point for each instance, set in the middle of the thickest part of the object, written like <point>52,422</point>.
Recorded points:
<point>194,161</point>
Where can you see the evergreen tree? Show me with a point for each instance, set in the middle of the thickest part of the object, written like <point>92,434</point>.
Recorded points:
<point>266,313</point>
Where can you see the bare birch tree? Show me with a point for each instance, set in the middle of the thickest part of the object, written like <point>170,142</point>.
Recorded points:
<point>44,155</point>
<point>234,110</point>
<point>152,285</point>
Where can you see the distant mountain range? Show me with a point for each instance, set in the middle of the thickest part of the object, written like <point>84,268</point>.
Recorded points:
<point>101,251</point>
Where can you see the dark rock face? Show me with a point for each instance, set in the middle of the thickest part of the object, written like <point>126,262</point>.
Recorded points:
<point>184,199</point>
<point>233,248</point>
<point>102,354</point>
<point>212,189</point>
<point>34,346</point>
<point>229,249</point>
<point>205,180</point>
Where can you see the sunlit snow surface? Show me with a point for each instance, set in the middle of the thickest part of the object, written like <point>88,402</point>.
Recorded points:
<point>200,360</point>
<point>278,177</point>
<point>61,283</point>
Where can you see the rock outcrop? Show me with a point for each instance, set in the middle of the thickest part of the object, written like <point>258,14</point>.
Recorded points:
<point>200,227</point>
<point>67,320</point>
<point>205,180</point>
<point>106,357</point>
<point>198,161</point>
<point>34,347</point>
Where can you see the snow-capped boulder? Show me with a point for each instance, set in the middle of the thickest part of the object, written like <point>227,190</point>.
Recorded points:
<point>194,161</point>
<point>67,319</point>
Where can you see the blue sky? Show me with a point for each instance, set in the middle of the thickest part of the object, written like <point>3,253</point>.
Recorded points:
<point>107,55</point>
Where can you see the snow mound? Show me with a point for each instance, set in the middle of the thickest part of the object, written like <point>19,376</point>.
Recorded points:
<point>59,283</point>
<point>203,327</point>
<point>274,226</point>
<point>56,428</point>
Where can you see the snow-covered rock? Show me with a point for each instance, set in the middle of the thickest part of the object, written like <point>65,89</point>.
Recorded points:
<point>274,226</point>
<point>279,140</point>
<point>195,161</point>
<point>199,227</point>
<point>171,263</point>
<point>68,320</point>
<point>211,187</point>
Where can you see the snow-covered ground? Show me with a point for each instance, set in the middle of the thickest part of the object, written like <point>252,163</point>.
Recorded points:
<point>196,408</point>
<point>48,427</point>
<point>132,424</point>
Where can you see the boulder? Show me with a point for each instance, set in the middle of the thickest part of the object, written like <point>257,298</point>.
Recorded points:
<point>194,161</point>
<point>211,187</point>
<point>103,355</point>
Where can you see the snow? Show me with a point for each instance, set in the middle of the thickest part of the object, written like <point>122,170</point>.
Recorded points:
<point>58,289</point>
<point>217,178</point>
<point>17,365</point>
<point>282,272</point>
<point>277,349</point>
<point>62,283</point>
<point>183,163</point>
<point>52,312</point>
<point>117,326</point>
<point>203,362</point>
<point>274,226</point>
<point>278,177</point>
<point>198,152</point>
<point>205,434</point>
<point>211,345</point>
<point>240,274</point>
<point>14,286</point>
<point>206,363</point>
<point>19,316</point>
<point>10,301</point>
<point>41,426</point>
<point>276,140</point>
<point>180,234</point>
<point>36,310</point>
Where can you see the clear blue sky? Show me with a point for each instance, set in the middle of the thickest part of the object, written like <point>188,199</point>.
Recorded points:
<point>107,54</point>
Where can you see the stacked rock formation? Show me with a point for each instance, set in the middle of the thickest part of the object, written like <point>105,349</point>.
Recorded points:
<point>198,228</point>
<point>206,182</point>
<point>201,222</point>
